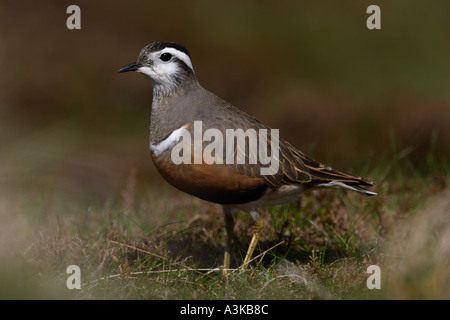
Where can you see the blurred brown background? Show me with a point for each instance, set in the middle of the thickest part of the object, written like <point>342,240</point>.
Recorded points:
<point>70,124</point>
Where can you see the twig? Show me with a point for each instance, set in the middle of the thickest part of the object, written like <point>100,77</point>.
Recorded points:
<point>135,248</point>
<point>259,255</point>
<point>156,272</point>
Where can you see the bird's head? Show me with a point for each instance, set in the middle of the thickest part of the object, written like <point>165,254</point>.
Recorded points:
<point>167,64</point>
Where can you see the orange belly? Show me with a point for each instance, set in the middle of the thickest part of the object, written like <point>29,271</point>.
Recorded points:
<point>221,184</point>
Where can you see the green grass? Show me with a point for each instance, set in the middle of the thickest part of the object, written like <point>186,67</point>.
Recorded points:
<point>141,245</point>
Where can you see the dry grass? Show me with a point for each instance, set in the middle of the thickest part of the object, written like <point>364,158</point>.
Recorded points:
<point>417,254</point>
<point>171,247</point>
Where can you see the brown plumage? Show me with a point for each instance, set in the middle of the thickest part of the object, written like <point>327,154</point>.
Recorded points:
<point>179,101</point>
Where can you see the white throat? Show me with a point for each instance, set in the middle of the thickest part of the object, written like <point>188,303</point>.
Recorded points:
<point>162,80</point>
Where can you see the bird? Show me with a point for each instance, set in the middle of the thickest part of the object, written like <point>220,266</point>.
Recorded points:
<point>179,104</point>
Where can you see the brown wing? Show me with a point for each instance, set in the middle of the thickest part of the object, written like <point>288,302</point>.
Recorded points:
<point>291,169</point>
<point>294,166</point>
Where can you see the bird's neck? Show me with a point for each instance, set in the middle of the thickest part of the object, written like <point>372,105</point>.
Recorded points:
<point>163,91</point>
<point>164,88</point>
<point>171,108</point>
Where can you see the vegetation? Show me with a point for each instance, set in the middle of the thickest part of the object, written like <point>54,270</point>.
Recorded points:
<point>372,103</point>
<point>171,246</point>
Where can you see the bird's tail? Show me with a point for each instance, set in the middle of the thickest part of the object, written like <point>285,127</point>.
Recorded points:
<point>324,176</point>
<point>339,184</point>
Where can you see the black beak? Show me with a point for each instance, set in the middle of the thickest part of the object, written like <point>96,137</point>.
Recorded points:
<point>130,67</point>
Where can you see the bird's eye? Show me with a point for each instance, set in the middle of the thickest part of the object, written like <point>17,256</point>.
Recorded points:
<point>166,56</point>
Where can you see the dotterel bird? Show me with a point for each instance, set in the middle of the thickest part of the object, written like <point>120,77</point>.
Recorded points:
<point>179,102</point>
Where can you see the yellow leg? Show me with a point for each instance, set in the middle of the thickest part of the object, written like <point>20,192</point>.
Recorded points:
<point>229,227</point>
<point>257,231</point>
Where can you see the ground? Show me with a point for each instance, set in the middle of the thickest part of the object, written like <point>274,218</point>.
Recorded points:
<point>144,245</point>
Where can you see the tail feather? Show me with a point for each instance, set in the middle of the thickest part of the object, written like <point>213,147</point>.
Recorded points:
<point>339,184</point>
<point>324,176</point>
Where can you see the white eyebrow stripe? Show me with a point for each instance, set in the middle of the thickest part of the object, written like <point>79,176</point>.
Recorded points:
<point>181,55</point>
